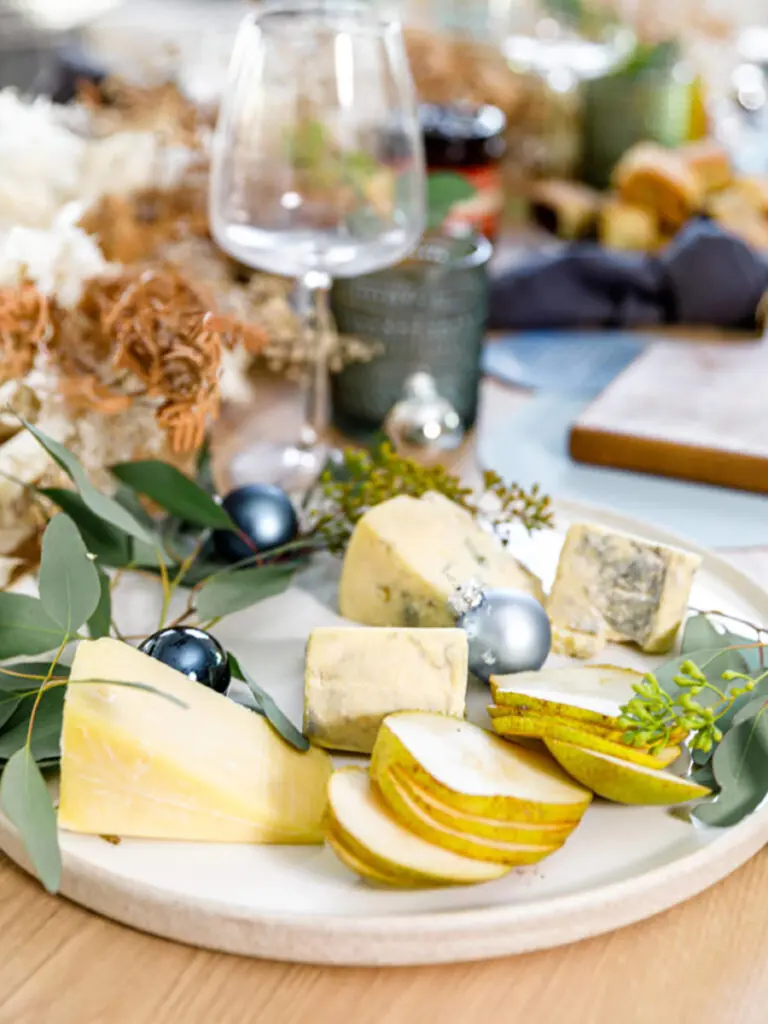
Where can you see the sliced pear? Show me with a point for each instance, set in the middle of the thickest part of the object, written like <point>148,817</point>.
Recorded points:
<point>512,711</point>
<point>615,779</point>
<point>369,831</point>
<point>546,728</point>
<point>408,812</point>
<point>478,826</point>
<point>608,733</point>
<point>359,866</point>
<point>591,693</point>
<point>472,770</point>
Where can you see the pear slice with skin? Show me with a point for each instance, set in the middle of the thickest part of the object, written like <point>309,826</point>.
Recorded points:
<point>591,693</point>
<point>369,831</point>
<point>477,826</point>
<point>408,812</point>
<point>472,770</point>
<point>360,867</point>
<point>615,779</point>
<point>546,728</point>
<point>614,734</point>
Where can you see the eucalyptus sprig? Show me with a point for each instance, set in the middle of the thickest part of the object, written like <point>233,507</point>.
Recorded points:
<point>364,479</point>
<point>655,719</point>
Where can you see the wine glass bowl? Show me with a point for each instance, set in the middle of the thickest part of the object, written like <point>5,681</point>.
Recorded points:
<point>317,172</point>
<point>317,161</point>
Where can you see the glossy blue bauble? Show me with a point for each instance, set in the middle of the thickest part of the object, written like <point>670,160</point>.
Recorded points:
<point>193,652</point>
<point>266,516</point>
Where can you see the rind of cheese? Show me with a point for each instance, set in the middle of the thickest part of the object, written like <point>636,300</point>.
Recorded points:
<point>135,764</point>
<point>354,678</point>
<point>407,556</point>
<point>614,587</point>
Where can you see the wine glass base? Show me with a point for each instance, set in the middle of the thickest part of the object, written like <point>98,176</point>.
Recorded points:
<point>290,467</point>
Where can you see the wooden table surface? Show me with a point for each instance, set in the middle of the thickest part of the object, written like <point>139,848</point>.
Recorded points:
<point>700,962</point>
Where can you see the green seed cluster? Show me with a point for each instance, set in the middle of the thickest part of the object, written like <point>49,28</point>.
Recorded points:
<point>653,717</point>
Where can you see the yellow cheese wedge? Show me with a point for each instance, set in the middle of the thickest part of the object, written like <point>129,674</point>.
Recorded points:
<point>136,764</point>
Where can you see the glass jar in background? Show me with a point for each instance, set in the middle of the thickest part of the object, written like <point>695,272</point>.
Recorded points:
<point>428,313</point>
<point>468,140</point>
<point>653,97</point>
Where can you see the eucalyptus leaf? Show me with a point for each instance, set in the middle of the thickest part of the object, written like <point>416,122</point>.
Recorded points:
<point>26,627</point>
<point>739,765</point>
<point>276,718</point>
<point>46,729</point>
<point>110,545</point>
<point>100,621</point>
<point>128,499</point>
<point>12,683</point>
<point>204,468</point>
<point>230,592</point>
<point>8,706</point>
<point>175,492</point>
<point>707,630</point>
<point>150,556</point>
<point>27,802</point>
<point>704,775</point>
<point>444,188</point>
<point>100,504</point>
<point>69,580</point>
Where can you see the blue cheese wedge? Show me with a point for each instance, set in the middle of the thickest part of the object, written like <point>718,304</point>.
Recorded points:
<point>407,556</point>
<point>355,677</point>
<point>614,587</point>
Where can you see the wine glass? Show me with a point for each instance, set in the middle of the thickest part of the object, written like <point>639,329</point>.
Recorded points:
<point>317,172</point>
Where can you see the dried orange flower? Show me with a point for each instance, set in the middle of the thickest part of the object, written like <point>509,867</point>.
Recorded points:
<point>133,228</point>
<point>164,338</point>
<point>119,105</point>
<point>25,323</point>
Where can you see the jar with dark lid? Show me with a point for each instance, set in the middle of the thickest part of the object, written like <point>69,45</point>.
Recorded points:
<point>469,140</point>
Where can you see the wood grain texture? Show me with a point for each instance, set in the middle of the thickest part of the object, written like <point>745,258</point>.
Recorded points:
<point>702,961</point>
<point>691,412</point>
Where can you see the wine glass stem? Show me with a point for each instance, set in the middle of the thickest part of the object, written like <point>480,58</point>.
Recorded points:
<point>317,326</point>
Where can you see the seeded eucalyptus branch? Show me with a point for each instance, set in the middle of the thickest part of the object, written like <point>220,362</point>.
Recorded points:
<point>654,719</point>
<point>364,479</point>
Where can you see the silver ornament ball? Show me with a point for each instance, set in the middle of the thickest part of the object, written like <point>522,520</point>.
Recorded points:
<point>423,425</point>
<point>508,630</point>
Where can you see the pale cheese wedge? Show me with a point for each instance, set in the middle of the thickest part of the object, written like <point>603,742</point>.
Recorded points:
<point>408,555</point>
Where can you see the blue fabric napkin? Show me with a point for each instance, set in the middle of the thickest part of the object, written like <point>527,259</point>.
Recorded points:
<point>705,276</point>
<point>565,362</point>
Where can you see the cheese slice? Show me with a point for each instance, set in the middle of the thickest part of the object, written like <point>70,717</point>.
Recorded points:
<point>614,587</point>
<point>407,556</point>
<point>355,677</point>
<point>135,764</point>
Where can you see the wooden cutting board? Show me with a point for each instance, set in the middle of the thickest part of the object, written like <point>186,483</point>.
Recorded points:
<point>690,411</point>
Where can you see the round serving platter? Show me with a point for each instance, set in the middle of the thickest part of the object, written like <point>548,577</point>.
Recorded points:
<point>300,904</point>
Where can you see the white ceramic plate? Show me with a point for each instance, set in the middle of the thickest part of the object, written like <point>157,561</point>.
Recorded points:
<point>299,903</point>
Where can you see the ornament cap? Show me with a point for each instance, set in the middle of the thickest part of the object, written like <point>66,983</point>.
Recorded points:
<point>466,598</point>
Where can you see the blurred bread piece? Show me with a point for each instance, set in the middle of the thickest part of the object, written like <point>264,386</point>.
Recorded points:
<point>754,191</point>
<point>566,208</point>
<point>627,227</point>
<point>734,210</point>
<point>710,162</point>
<point>659,179</point>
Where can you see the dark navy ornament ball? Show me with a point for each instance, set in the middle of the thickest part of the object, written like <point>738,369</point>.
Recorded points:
<point>266,517</point>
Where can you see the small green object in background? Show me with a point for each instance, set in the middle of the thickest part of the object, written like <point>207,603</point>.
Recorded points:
<point>650,97</point>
